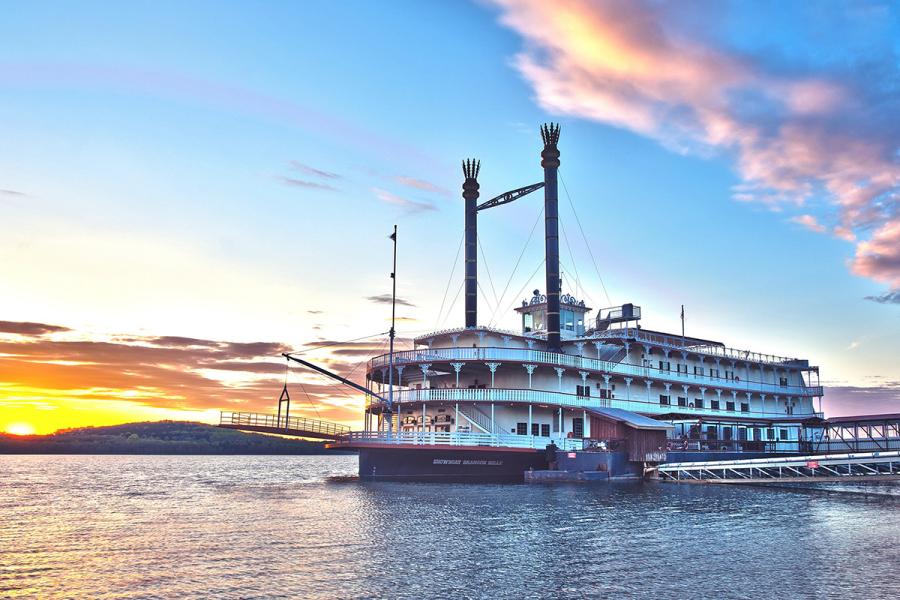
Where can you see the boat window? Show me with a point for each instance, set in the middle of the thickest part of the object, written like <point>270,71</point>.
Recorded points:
<point>745,407</point>
<point>545,430</point>
<point>568,320</point>
<point>521,428</point>
<point>714,404</point>
<point>664,400</point>
<point>578,427</point>
<point>698,402</point>
<point>729,406</point>
<point>682,401</point>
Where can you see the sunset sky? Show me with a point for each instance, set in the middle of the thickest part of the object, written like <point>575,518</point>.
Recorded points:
<point>189,189</point>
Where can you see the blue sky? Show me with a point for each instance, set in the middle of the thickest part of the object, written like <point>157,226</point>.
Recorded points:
<point>220,170</point>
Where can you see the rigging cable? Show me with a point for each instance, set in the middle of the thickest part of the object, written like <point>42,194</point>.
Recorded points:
<point>527,281</point>
<point>452,271</point>
<point>488,269</point>
<point>452,304</point>
<point>515,268</point>
<point>571,256</point>
<point>584,237</point>
<point>338,343</point>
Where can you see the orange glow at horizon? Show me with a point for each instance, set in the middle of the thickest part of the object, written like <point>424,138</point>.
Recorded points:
<point>42,414</point>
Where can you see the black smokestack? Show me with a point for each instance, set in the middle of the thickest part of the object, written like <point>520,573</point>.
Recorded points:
<point>470,194</point>
<point>550,162</point>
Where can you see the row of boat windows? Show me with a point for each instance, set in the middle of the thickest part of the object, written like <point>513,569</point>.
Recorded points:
<point>568,321</point>
<point>541,429</point>
<point>665,365</point>
<point>665,400</point>
<point>728,433</point>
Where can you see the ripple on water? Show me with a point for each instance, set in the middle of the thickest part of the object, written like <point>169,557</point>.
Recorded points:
<point>238,527</point>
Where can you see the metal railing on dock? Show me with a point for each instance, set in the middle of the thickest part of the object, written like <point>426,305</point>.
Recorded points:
<point>871,466</point>
<point>297,426</point>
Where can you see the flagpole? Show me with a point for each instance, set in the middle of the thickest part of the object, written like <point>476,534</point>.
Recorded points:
<point>682,324</point>
<point>392,333</point>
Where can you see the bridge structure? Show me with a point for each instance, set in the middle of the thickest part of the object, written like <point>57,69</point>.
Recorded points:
<point>283,425</point>
<point>856,467</point>
<point>864,433</point>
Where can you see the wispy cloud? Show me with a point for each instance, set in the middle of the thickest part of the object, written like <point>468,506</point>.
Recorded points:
<point>421,184</point>
<point>298,166</point>
<point>302,183</point>
<point>30,329</point>
<point>386,299</point>
<point>891,297</point>
<point>795,132</point>
<point>412,206</point>
<point>13,193</point>
<point>809,222</point>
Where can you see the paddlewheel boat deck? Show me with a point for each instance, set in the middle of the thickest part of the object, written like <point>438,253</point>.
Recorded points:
<point>480,403</point>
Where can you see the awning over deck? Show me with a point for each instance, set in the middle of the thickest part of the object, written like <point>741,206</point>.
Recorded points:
<point>632,419</point>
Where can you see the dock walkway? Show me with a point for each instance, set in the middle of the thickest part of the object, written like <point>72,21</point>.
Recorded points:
<point>862,466</point>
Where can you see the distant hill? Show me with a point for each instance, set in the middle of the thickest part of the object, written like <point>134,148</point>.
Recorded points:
<point>164,437</point>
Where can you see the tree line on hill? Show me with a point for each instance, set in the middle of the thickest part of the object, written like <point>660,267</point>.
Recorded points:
<point>165,437</point>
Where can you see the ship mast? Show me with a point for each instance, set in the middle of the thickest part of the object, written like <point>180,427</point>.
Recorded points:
<point>391,335</point>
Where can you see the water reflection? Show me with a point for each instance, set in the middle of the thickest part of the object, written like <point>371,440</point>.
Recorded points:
<point>235,527</point>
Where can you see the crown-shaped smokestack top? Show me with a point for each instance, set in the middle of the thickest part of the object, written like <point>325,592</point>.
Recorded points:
<point>471,167</point>
<point>550,153</point>
<point>550,133</point>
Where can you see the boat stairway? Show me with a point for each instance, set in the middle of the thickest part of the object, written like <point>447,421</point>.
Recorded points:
<point>475,416</point>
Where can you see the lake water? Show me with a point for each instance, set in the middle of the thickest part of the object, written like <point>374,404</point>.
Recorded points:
<point>302,527</point>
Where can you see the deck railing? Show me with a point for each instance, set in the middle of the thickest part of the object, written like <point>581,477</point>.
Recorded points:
<point>556,359</point>
<point>443,438</point>
<point>561,399</point>
<point>288,424</point>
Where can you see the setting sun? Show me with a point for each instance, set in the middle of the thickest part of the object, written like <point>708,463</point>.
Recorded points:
<point>20,429</point>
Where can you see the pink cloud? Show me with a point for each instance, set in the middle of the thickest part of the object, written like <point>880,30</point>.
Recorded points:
<point>819,135</point>
<point>879,257</point>
<point>809,222</point>
<point>421,184</point>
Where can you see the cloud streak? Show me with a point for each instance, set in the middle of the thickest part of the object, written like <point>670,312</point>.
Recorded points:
<point>421,184</point>
<point>298,166</point>
<point>386,299</point>
<point>809,222</point>
<point>25,328</point>
<point>795,133</point>
<point>407,205</point>
<point>302,183</point>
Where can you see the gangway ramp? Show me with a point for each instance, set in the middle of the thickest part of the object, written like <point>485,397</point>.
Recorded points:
<point>861,466</point>
<point>293,426</point>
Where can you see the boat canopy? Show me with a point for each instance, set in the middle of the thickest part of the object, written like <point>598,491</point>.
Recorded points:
<point>632,419</point>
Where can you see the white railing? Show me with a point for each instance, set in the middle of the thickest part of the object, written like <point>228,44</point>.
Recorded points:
<point>555,359</point>
<point>460,330</point>
<point>514,396</point>
<point>707,349</point>
<point>443,438</point>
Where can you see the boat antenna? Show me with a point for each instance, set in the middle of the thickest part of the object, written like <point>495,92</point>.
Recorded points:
<point>392,334</point>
